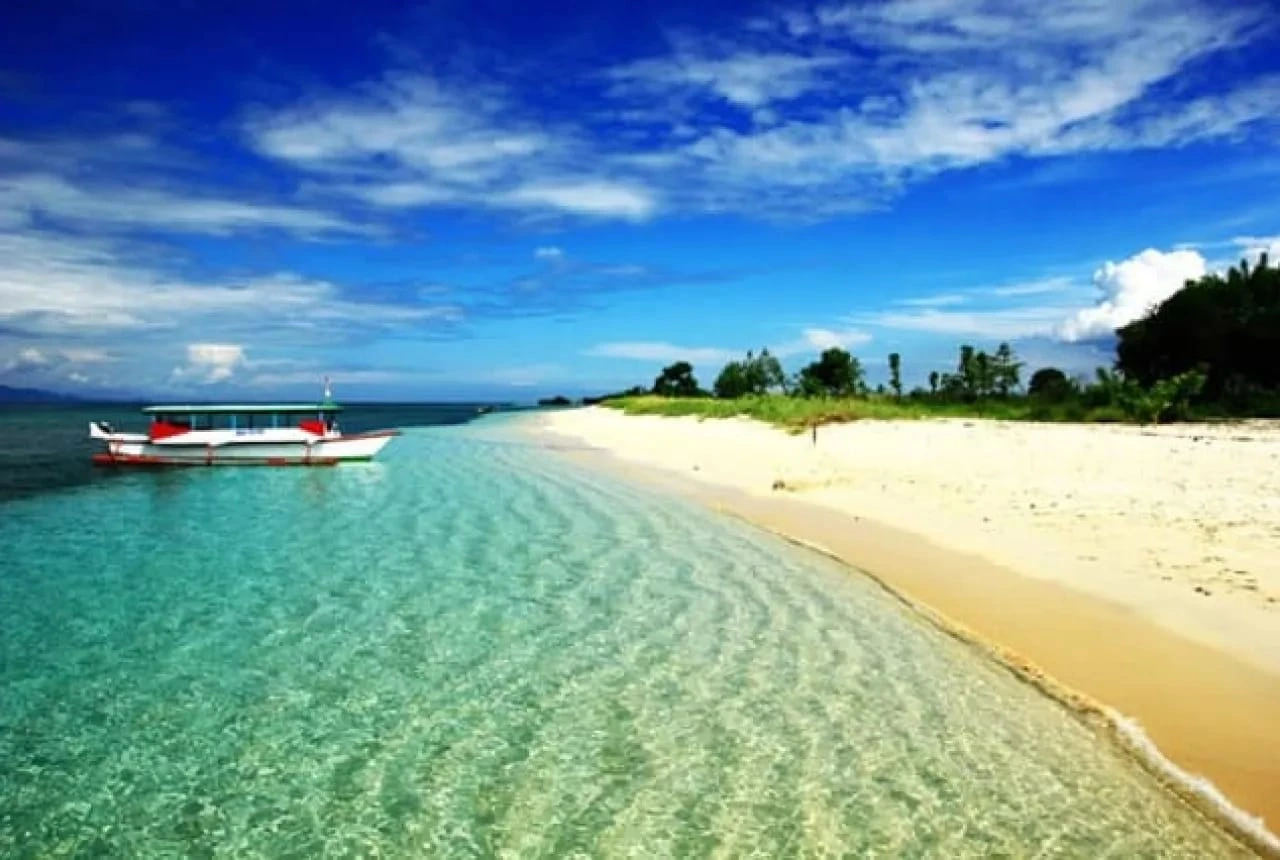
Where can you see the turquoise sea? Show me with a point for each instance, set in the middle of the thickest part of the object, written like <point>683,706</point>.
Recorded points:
<point>476,647</point>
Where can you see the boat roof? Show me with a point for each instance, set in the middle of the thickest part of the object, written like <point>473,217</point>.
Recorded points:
<point>241,408</point>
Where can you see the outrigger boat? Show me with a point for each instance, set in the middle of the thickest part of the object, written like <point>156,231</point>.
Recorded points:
<point>288,434</point>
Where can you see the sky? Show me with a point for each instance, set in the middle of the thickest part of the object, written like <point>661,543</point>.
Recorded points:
<point>501,200</point>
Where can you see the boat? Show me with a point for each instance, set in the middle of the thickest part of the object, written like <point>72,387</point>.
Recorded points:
<point>269,434</point>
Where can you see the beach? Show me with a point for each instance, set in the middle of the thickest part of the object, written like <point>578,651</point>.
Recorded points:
<point>1139,567</point>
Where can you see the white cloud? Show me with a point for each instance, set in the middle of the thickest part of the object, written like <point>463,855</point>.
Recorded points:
<point>997,324</point>
<point>548,252</point>
<point>52,285</point>
<point>931,86</point>
<point>810,342</point>
<point>58,360</point>
<point>662,351</point>
<point>594,198</point>
<point>208,363</point>
<point>83,355</point>
<point>45,196</point>
<point>409,141</point>
<point>838,110</point>
<point>1034,288</point>
<point>816,340</point>
<point>402,195</point>
<point>747,78</point>
<point>800,114</point>
<point>27,360</point>
<point>411,119</point>
<point>1254,246</point>
<point>935,301</point>
<point>267,378</point>
<point>1130,289</point>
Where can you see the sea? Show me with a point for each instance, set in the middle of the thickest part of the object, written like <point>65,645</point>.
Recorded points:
<point>478,647</point>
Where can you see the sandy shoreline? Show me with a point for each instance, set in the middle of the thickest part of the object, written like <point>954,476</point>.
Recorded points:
<point>1085,552</point>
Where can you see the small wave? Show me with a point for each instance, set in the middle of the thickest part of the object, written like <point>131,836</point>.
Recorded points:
<point>1203,791</point>
<point>1197,791</point>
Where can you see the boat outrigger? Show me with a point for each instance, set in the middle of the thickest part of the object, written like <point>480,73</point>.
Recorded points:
<point>288,434</point>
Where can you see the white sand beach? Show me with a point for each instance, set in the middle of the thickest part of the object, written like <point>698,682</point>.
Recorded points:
<point>1139,566</point>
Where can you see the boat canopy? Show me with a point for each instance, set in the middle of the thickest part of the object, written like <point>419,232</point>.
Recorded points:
<point>243,409</point>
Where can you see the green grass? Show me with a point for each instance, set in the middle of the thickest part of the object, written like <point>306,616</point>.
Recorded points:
<point>796,414</point>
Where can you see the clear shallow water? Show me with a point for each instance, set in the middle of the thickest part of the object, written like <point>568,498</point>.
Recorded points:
<point>474,648</point>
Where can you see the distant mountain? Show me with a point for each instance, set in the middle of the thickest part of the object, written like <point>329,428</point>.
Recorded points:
<point>33,395</point>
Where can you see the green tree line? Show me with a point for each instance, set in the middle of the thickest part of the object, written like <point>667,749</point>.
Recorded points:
<point>1211,350</point>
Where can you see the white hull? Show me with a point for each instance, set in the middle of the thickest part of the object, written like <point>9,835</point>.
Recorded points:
<point>285,446</point>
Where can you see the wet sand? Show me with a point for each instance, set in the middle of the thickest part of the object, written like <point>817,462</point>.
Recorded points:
<point>1210,712</point>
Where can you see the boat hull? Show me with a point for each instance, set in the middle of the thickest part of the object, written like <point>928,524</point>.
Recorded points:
<point>320,452</point>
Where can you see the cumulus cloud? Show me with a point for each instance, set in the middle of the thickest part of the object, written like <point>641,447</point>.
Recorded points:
<point>208,363</point>
<point>1130,288</point>
<point>548,252</point>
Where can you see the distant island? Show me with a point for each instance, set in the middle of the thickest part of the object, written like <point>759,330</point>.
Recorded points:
<point>9,394</point>
<point>558,400</point>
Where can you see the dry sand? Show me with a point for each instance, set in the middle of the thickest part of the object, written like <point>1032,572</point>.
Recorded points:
<point>1140,567</point>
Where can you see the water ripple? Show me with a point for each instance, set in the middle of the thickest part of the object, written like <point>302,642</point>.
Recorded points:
<point>476,649</point>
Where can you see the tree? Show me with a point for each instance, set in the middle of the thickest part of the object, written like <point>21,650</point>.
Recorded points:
<point>952,386</point>
<point>1049,384</point>
<point>933,382</point>
<point>983,376</point>
<point>1228,328</point>
<point>895,374</point>
<point>732,382</point>
<point>771,370</point>
<point>676,380</point>
<point>764,373</point>
<point>965,370</point>
<point>1006,370</point>
<point>756,374</point>
<point>836,373</point>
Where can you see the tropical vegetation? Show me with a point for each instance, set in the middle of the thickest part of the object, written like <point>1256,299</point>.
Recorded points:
<point>1212,350</point>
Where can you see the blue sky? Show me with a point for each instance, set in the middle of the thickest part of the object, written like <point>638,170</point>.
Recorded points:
<point>490,199</point>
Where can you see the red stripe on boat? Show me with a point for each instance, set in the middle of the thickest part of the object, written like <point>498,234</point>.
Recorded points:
<point>138,460</point>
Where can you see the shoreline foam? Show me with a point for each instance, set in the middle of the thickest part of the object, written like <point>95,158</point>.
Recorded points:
<point>1172,762</point>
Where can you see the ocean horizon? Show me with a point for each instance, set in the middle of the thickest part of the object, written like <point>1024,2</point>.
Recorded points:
<point>474,646</point>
